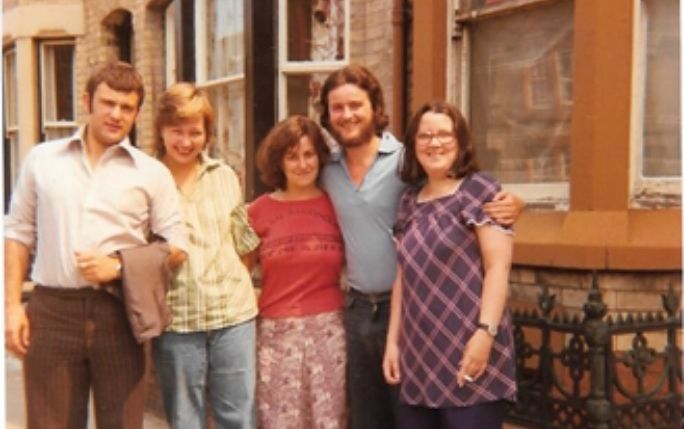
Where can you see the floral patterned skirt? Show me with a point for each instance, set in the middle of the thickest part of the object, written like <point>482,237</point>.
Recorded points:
<point>301,366</point>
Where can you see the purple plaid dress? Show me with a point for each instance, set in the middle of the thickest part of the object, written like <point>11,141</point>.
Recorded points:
<point>442,285</point>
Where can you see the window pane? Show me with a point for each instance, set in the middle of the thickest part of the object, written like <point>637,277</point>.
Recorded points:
<point>303,92</point>
<point>521,94</point>
<point>10,89</point>
<point>315,30</point>
<point>476,4</point>
<point>53,133</point>
<point>58,72</point>
<point>662,123</point>
<point>225,31</point>
<point>10,163</point>
<point>228,100</point>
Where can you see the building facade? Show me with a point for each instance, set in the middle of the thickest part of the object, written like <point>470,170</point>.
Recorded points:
<point>574,104</point>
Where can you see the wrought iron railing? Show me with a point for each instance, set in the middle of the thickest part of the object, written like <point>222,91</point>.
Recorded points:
<point>571,375</point>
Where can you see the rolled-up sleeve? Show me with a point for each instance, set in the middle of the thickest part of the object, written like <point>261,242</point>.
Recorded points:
<point>20,222</point>
<point>166,219</point>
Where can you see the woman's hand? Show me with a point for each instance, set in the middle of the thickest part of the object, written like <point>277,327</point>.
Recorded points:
<point>475,357</point>
<point>390,363</point>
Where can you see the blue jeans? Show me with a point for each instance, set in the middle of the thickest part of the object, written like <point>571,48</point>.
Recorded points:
<point>221,363</point>
<point>372,401</point>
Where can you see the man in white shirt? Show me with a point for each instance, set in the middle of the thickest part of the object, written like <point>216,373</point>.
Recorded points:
<point>77,202</point>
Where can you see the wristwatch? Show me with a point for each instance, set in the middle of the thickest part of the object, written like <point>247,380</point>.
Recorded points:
<point>492,330</point>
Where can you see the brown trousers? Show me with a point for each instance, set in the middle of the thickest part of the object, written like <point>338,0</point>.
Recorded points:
<point>82,339</point>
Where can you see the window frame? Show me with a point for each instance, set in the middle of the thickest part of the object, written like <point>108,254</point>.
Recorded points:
<point>11,130</point>
<point>8,86</point>
<point>287,68</point>
<point>174,71</point>
<point>552,195</point>
<point>42,72</point>
<point>201,40</point>
<point>646,192</point>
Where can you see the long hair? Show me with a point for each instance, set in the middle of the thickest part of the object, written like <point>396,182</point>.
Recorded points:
<point>362,77</point>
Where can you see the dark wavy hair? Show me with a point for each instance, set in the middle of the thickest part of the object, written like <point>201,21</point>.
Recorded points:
<point>360,76</point>
<point>411,171</point>
<point>287,134</point>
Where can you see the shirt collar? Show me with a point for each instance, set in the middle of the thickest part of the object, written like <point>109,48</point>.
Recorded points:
<point>124,146</point>
<point>388,144</point>
<point>207,163</point>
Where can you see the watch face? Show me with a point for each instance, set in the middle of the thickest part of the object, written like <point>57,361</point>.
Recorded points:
<point>491,330</point>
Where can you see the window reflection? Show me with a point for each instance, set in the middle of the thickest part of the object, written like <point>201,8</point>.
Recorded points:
<point>662,120</point>
<point>315,30</point>
<point>521,94</point>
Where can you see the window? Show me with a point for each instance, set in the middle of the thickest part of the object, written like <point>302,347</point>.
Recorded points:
<point>10,109</point>
<point>518,92</point>
<point>314,41</point>
<point>209,34</point>
<point>58,109</point>
<point>657,137</point>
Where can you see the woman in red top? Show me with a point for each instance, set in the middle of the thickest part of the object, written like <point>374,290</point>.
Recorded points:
<point>301,358</point>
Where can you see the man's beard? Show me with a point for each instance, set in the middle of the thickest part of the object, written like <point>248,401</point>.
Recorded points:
<point>364,137</point>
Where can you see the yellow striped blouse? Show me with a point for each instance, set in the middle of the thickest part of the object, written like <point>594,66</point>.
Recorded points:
<point>213,289</point>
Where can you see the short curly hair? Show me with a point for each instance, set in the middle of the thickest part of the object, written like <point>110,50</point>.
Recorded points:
<point>285,135</point>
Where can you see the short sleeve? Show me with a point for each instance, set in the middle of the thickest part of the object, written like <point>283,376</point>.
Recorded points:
<point>246,240</point>
<point>477,190</point>
<point>404,213</point>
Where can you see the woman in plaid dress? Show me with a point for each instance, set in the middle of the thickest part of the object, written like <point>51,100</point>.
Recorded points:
<point>450,343</point>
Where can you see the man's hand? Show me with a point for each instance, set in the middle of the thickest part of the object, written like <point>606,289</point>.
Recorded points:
<point>390,364</point>
<point>97,267</point>
<point>17,332</point>
<point>504,208</point>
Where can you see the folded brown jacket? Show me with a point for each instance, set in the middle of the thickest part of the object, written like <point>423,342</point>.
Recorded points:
<point>145,280</point>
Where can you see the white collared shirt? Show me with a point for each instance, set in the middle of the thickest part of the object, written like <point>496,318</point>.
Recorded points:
<point>61,205</point>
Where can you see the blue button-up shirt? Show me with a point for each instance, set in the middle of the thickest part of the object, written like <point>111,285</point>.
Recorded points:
<point>366,215</point>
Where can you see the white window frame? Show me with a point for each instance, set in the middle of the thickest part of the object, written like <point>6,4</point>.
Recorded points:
<point>645,191</point>
<point>201,81</point>
<point>201,39</point>
<point>288,68</point>
<point>11,129</point>
<point>170,44</point>
<point>46,124</point>
<point>201,54</point>
<point>555,194</point>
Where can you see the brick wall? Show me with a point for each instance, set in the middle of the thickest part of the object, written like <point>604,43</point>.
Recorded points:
<point>371,41</point>
<point>98,45</point>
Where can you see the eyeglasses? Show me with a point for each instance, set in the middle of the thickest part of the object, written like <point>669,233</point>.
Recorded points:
<point>444,138</point>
